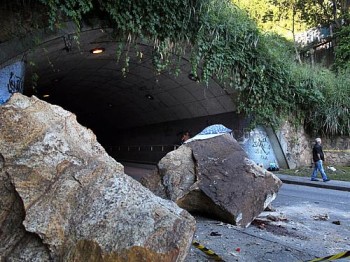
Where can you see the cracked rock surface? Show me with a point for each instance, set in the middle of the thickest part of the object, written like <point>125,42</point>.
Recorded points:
<point>214,177</point>
<point>64,199</point>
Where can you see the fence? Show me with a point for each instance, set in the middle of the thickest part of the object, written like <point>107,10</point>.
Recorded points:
<point>140,153</point>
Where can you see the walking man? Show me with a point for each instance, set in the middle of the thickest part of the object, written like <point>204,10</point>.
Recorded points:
<point>318,157</point>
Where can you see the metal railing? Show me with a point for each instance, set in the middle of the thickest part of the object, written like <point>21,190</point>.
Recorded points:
<point>147,148</point>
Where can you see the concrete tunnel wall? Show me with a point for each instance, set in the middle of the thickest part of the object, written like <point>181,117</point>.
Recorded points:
<point>148,144</point>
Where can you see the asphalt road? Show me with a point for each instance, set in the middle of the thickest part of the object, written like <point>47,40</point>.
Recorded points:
<point>310,222</point>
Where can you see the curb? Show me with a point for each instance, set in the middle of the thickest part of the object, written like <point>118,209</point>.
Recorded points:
<point>305,181</point>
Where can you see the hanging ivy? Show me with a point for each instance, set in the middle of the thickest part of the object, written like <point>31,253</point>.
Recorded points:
<point>222,43</point>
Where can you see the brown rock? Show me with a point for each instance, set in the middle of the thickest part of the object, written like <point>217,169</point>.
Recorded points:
<point>227,185</point>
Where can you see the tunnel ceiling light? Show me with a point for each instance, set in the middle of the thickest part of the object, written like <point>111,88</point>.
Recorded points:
<point>97,50</point>
<point>46,96</point>
<point>150,97</point>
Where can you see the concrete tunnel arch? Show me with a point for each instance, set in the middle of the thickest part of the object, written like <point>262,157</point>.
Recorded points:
<point>136,115</point>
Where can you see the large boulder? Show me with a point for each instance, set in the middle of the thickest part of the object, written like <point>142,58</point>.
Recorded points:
<point>215,177</point>
<point>63,198</point>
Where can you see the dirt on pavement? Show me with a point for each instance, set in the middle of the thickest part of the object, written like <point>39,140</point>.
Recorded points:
<point>295,233</point>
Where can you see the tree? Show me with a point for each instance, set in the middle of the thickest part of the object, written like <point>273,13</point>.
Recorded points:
<point>324,12</point>
<point>280,17</point>
<point>342,50</point>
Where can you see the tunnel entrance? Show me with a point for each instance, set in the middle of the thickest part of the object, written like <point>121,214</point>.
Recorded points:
<point>128,106</point>
<point>137,114</point>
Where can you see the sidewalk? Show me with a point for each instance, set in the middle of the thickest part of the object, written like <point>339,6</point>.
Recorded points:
<point>305,181</point>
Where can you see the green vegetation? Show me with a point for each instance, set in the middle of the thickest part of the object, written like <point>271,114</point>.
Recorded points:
<point>222,42</point>
<point>280,17</point>
<point>341,173</point>
<point>342,51</point>
<point>333,111</point>
<point>329,111</point>
<point>287,17</point>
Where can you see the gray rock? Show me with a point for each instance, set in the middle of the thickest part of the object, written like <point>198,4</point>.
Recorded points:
<point>215,177</point>
<point>174,176</point>
<point>75,202</point>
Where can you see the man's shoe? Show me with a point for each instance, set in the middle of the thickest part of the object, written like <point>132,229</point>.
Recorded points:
<point>314,179</point>
<point>326,180</point>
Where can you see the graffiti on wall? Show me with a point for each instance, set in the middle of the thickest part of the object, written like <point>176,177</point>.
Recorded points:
<point>258,147</point>
<point>11,81</point>
<point>15,84</point>
<point>261,146</point>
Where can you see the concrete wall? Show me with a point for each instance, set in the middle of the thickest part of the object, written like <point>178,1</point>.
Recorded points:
<point>337,151</point>
<point>297,147</point>
<point>259,148</point>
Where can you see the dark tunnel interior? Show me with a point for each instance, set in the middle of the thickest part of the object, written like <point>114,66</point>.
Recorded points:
<point>124,105</point>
